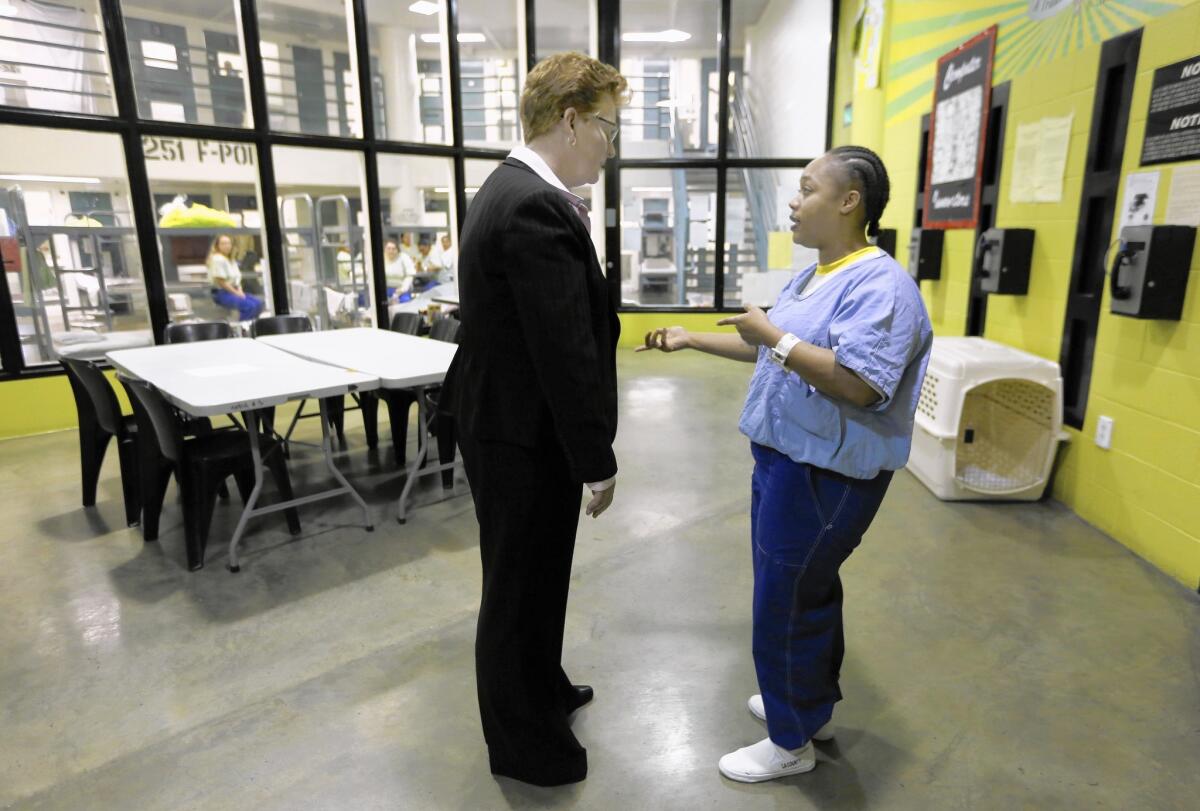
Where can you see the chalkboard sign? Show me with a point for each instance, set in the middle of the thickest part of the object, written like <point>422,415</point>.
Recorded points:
<point>962,97</point>
<point>1173,122</point>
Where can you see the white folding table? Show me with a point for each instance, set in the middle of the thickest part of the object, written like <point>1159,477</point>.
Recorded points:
<point>398,361</point>
<point>446,293</point>
<point>210,378</point>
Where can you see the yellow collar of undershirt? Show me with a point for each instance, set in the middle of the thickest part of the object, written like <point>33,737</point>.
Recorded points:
<point>834,267</point>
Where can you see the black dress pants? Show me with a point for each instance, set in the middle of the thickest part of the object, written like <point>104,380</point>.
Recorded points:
<point>528,511</point>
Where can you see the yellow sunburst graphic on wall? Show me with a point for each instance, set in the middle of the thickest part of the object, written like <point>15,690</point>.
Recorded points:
<point>1031,33</point>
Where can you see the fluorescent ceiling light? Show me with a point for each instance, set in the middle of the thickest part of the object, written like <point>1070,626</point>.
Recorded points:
<point>433,39</point>
<point>424,7</point>
<point>670,35</point>
<point>90,181</point>
<point>651,189</point>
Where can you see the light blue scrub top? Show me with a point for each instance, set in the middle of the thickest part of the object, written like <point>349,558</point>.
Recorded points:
<point>871,314</point>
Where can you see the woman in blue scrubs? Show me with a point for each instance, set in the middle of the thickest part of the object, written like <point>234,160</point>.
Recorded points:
<point>839,362</point>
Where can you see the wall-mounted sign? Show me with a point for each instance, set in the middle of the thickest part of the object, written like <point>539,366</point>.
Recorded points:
<point>190,151</point>
<point>1173,123</point>
<point>962,97</point>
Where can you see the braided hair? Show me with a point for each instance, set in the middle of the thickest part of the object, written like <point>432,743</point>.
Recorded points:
<point>867,173</point>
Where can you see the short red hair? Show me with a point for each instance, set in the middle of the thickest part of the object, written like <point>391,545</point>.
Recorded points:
<point>565,80</point>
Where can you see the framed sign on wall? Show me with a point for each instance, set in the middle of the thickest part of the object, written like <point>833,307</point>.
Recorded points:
<point>962,96</point>
<point>1173,120</point>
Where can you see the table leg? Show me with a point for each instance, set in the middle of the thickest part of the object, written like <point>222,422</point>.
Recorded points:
<point>251,511</point>
<point>327,450</point>
<point>248,510</point>
<point>414,471</point>
<point>415,467</point>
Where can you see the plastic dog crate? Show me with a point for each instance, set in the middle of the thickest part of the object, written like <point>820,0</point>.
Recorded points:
<point>988,422</point>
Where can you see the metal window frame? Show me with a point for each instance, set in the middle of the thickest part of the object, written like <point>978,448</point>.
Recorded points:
<point>610,52</point>
<point>130,127</point>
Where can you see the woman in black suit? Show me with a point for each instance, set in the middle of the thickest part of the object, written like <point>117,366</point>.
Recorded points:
<point>533,390</point>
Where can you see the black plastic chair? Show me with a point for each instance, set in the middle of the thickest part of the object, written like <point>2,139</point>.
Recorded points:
<point>445,329</point>
<point>100,419</point>
<point>406,323</point>
<point>280,325</point>
<point>201,464</point>
<point>400,402</point>
<point>289,325</point>
<point>197,331</point>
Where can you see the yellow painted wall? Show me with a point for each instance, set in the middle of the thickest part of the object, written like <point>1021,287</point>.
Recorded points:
<point>38,405</point>
<point>1145,491</point>
<point>1146,375</point>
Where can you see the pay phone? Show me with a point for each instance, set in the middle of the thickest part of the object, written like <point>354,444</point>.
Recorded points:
<point>1149,273</point>
<point>925,253</point>
<point>886,240</point>
<point>1004,256</point>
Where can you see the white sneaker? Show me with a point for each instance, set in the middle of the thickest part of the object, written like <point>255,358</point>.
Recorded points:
<point>755,704</point>
<point>766,761</point>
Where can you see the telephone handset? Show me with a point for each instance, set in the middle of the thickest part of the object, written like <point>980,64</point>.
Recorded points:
<point>982,246</point>
<point>1003,258</point>
<point>1123,258</point>
<point>1149,274</point>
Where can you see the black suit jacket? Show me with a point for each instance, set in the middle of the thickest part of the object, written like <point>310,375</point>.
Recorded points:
<point>537,350</point>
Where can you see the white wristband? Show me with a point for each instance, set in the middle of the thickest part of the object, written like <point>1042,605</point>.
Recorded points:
<point>784,348</point>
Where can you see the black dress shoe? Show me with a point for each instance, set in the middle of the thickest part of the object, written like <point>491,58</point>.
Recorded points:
<point>580,695</point>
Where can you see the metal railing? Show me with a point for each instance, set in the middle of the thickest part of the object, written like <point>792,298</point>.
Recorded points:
<point>761,184</point>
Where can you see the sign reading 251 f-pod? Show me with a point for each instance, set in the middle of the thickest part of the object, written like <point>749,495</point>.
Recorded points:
<point>962,97</point>
<point>1173,122</point>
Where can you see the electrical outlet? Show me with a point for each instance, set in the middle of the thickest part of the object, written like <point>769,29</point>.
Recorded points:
<point>1104,429</point>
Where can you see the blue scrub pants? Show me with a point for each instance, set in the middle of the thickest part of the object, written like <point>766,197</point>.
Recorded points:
<point>804,521</point>
<point>248,307</point>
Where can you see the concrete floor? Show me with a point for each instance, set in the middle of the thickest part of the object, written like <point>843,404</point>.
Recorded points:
<point>999,656</point>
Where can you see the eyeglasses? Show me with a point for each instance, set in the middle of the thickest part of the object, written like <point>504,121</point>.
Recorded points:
<point>613,130</point>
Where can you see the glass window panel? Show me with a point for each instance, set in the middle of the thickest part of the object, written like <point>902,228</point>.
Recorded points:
<point>477,171</point>
<point>667,233</point>
<point>490,81</point>
<point>325,238</point>
<point>409,71</point>
<point>55,57</point>
<point>420,250</point>
<point>667,51</point>
<point>560,26</point>
<point>159,55</point>
<point>187,62</point>
<point>204,191</point>
<point>78,288</point>
<point>779,58</point>
<point>760,255</point>
<point>312,84</point>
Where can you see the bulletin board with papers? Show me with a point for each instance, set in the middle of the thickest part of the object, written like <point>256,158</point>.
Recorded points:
<point>962,97</point>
